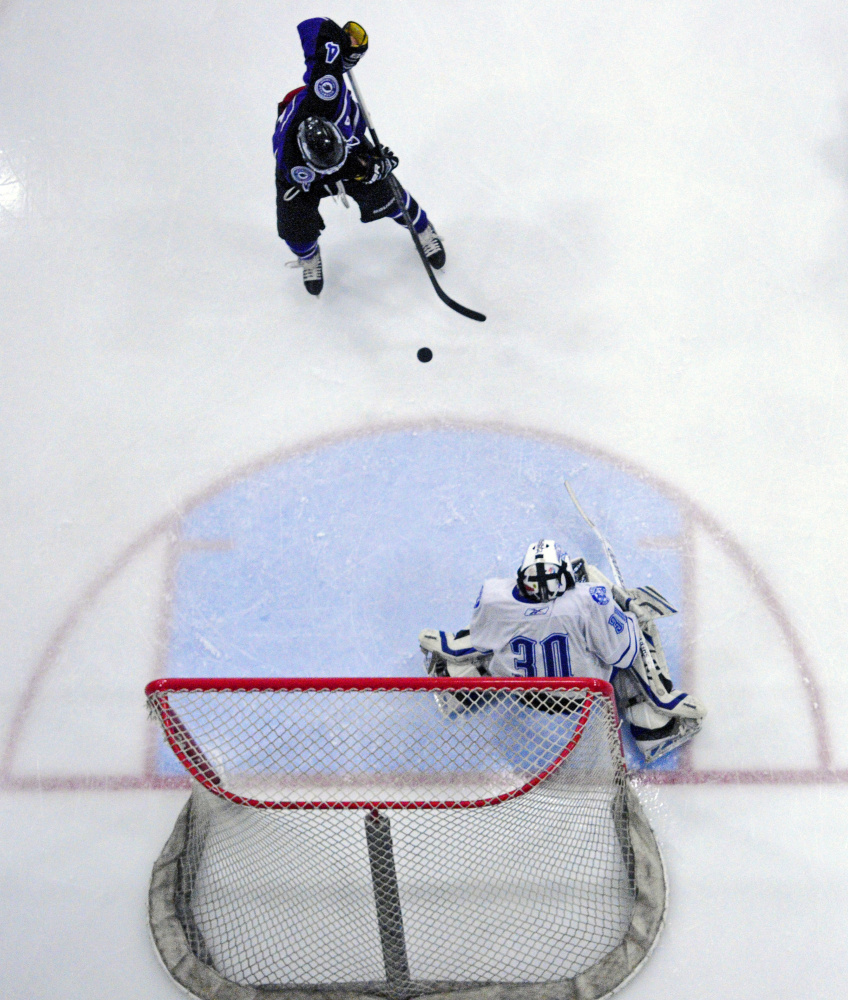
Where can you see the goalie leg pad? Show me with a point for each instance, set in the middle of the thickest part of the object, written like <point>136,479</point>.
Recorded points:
<point>656,732</point>
<point>650,671</point>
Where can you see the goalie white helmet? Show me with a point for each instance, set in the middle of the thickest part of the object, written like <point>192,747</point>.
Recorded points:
<point>545,573</point>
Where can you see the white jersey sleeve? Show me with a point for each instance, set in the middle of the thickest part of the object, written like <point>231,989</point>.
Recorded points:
<point>582,633</point>
<point>611,634</point>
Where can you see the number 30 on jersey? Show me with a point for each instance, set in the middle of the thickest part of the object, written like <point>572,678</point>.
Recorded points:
<point>547,657</point>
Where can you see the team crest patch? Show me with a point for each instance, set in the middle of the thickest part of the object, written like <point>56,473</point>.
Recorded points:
<point>303,176</point>
<point>332,51</point>
<point>599,595</point>
<point>326,87</point>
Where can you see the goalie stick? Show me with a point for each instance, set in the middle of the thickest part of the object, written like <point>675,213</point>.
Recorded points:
<point>650,666</point>
<point>605,545</point>
<point>397,191</point>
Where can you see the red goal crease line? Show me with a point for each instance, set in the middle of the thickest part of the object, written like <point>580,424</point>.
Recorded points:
<point>191,756</point>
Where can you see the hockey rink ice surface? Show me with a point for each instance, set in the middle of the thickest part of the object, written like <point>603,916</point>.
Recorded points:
<point>209,472</point>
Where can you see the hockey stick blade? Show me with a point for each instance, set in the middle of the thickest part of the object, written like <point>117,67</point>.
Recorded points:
<point>397,190</point>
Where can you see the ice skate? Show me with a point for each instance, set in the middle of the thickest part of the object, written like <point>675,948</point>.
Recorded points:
<point>675,733</point>
<point>313,274</point>
<point>434,251</point>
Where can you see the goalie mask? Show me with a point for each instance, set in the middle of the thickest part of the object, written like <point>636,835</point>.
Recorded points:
<point>545,573</point>
<point>321,143</point>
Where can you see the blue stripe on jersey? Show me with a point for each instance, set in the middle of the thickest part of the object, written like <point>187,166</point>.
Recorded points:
<point>282,127</point>
<point>308,31</point>
<point>634,643</point>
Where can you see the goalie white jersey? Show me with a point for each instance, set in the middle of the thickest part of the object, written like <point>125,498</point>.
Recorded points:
<point>582,633</point>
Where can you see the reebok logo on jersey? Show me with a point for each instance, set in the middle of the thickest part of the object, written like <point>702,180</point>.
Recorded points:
<point>599,595</point>
<point>536,611</point>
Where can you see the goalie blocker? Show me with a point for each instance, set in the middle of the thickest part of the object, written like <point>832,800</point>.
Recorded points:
<point>661,717</point>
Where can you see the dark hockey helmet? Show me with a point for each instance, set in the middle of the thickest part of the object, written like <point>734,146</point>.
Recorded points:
<point>545,573</point>
<point>321,143</point>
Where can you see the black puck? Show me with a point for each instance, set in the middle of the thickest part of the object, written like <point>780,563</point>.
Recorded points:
<point>425,354</point>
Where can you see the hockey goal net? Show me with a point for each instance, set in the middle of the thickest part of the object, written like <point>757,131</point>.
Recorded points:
<point>398,837</point>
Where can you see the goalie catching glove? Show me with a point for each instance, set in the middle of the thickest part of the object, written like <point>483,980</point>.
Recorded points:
<point>448,654</point>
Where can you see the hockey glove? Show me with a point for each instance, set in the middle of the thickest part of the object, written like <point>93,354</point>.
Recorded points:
<point>354,44</point>
<point>378,165</point>
<point>449,655</point>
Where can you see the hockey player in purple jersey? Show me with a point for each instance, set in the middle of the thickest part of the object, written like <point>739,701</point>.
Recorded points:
<point>564,619</point>
<point>322,150</point>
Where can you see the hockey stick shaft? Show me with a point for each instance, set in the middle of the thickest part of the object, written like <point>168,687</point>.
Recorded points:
<point>398,192</point>
<point>616,572</point>
<point>605,545</point>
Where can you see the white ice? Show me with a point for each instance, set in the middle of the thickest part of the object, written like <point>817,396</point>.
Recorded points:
<point>649,203</point>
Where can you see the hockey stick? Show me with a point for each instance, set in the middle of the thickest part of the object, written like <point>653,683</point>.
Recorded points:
<point>608,552</point>
<point>398,192</point>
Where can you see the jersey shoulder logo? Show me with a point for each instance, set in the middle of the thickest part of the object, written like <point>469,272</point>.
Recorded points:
<point>332,51</point>
<point>326,87</point>
<point>303,176</point>
<point>599,595</point>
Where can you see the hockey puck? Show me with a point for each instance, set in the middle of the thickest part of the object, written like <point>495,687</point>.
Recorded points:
<point>425,354</point>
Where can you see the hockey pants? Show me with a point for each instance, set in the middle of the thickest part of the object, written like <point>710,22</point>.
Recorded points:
<point>299,222</point>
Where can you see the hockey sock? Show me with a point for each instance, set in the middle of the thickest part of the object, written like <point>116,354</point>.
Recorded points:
<point>306,251</point>
<point>416,213</point>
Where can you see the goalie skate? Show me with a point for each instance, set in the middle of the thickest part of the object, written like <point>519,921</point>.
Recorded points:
<point>684,730</point>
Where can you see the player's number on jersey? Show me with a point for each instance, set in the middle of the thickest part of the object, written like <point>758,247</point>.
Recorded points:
<point>554,659</point>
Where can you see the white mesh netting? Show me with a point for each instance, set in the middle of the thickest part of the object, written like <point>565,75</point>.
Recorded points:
<point>404,839</point>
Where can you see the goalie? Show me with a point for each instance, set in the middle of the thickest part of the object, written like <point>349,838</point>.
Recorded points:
<point>564,619</point>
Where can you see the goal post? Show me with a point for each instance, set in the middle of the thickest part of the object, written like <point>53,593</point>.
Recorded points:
<point>400,837</point>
